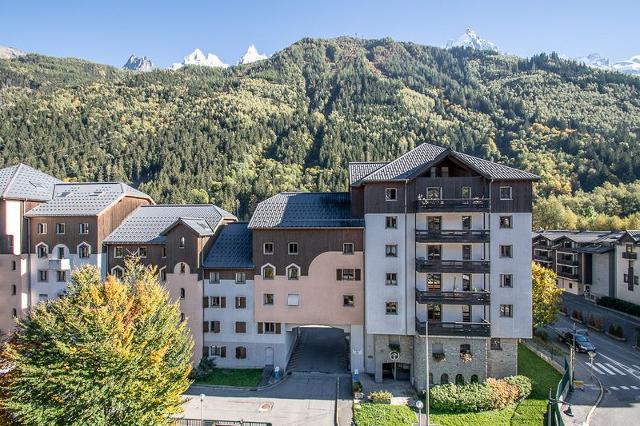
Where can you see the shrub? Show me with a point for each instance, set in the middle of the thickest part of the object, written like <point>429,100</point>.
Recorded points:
<point>563,308</point>
<point>380,397</point>
<point>204,369</point>
<point>541,334</point>
<point>577,314</point>
<point>619,331</point>
<point>460,399</point>
<point>620,305</point>
<point>523,383</point>
<point>612,329</point>
<point>502,393</point>
<point>356,387</point>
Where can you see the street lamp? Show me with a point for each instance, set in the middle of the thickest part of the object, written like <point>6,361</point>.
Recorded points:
<point>592,355</point>
<point>419,406</point>
<point>201,402</point>
<point>426,357</point>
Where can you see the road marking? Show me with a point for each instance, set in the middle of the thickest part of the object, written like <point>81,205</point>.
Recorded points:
<point>597,370</point>
<point>637,376</point>
<point>613,388</point>
<point>616,370</point>
<point>636,367</point>
<point>606,369</point>
<point>624,387</point>
<point>635,388</point>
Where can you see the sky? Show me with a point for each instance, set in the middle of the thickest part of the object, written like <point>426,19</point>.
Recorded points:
<point>109,31</point>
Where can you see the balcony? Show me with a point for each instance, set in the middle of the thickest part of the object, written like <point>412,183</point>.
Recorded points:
<point>460,266</point>
<point>452,204</point>
<point>453,236</point>
<point>478,297</point>
<point>567,262</point>
<point>56,264</point>
<point>455,329</point>
<point>542,258</point>
<point>542,246</point>
<point>629,255</point>
<point>568,275</point>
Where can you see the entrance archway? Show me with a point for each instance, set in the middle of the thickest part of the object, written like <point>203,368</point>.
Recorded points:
<point>320,349</point>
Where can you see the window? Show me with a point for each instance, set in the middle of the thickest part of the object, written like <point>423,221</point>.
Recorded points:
<point>444,379</point>
<point>391,250</point>
<point>241,352</point>
<point>117,271</point>
<point>629,248</point>
<point>60,228</point>
<point>293,248</point>
<point>434,193</point>
<point>465,348</point>
<point>241,327</point>
<point>293,300</point>
<point>84,228</point>
<point>268,272</point>
<point>459,380</point>
<point>42,228</point>
<point>182,293</point>
<point>348,301</point>
<point>437,349</point>
<point>347,248</point>
<point>142,252</point>
<point>60,252</point>
<point>505,193</point>
<point>391,222</point>
<point>205,326</point>
<point>466,192</point>
<point>434,223</point>
<point>466,222</point>
<point>14,312</point>
<point>293,272</point>
<point>241,302</point>
<point>434,282</point>
<point>164,251</point>
<point>267,248</point>
<point>506,251</point>
<point>218,302</point>
<point>42,250</point>
<point>506,280</point>
<point>118,252</point>
<point>43,297</point>
<point>14,265</point>
<point>215,326</point>
<point>391,308</point>
<point>183,267</point>
<point>43,275</point>
<point>84,250</point>
<point>214,277</point>
<point>390,194</point>
<point>466,282</point>
<point>269,328</point>
<point>163,275</point>
<point>506,222</point>
<point>348,275</point>
<point>434,252</point>
<point>496,344</point>
<point>61,276</point>
<point>14,290</point>
<point>434,312</point>
<point>220,351</point>
<point>466,252</point>
<point>391,278</point>
<point>474,378</point>
<point>268,299</point>
<point>241,277</point>
<point>506,311</point>
<point>181,242</point>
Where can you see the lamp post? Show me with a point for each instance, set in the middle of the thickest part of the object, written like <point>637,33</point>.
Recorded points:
<point>592,355</point>
<point>426,356</point>
<point>419,407</point>
<point>201,403</point>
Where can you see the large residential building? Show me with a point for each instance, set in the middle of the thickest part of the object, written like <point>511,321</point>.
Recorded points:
<point>592,263</point>
<point>427,255</point>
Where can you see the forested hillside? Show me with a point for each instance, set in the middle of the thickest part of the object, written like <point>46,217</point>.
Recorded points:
<point>292,122</point>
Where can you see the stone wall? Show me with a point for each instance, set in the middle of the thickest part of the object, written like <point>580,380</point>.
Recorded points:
<point>452,364</point>
<point>503,362</point>
<point>382,351</point>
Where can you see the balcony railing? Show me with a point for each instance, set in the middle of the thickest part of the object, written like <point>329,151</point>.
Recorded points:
<point>452,204</point>
<point>629,255</point>
<point>542,258</point>
<point>569,275</point>
<point>462,329</point>
<point>463,266</point>
<point>542,246</point>
<point>478,297</point>
<point>453,236</point>
<point>568,262</point>
<point>56,264</point>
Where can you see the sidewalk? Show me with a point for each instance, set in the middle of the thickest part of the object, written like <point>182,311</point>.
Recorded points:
<point>582,401</point>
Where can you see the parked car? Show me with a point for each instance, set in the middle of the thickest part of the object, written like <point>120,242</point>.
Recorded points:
<point>583,344</point>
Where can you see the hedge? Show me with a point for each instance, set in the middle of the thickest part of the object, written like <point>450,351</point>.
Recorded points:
<point>492,395</point>
<point>620,305</point>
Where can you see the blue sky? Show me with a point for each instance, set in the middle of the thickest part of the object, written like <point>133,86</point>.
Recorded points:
<point>108,31</point>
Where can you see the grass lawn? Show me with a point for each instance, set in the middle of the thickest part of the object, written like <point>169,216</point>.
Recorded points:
<point>368,414</point>
<point>530,412</point>
<point>232,377</point>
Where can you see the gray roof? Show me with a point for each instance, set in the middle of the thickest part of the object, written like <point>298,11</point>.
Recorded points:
<point>84,199</point>
<point>232,249</point>
<point>358,170</point>
<point>407,165</point>
<point>147,224</point>
<point>590,241</point>
<point>305,210</point>
<point>26,183</point>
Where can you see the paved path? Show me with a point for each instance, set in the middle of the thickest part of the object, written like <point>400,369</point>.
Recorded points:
<point>323,350</point>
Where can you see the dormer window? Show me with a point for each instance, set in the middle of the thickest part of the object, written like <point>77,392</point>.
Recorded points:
<point>293,272</point>
<point>181,243</point>
<point>84,250</point>
<point>42,250</point>
<point>268,272</point>
<point>183,268</point>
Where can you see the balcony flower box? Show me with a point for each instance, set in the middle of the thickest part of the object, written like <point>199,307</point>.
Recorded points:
<point>466,357</point>
<point>439,356</point>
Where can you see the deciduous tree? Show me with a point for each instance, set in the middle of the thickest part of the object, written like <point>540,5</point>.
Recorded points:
<point>545,295</point>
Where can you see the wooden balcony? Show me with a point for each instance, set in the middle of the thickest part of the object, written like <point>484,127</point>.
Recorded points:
<point>453,236</point>
<point>478,297</point>
<point>455,329</point>
<point>452,204</point>
<point>460,266</point>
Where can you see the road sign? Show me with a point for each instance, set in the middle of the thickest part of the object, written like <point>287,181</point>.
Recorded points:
<point>394,355</point>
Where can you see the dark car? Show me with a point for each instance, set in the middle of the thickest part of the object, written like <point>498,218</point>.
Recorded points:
<point>583,344</point>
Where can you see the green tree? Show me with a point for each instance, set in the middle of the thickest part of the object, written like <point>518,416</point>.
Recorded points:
<point>545,295</point>
<point>108,353</point>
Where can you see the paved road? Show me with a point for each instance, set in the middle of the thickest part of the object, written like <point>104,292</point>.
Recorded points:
<point>320,349</point>
<point>302,399</point>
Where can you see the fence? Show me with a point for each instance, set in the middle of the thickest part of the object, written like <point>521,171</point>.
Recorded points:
<point>198,422</point>
<point>561,393</point>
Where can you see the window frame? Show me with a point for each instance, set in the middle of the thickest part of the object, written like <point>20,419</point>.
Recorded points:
<point>393,220</point>
<point>240,302</point>
<point>41,228</point>
<point>391,278</point>
<point>84,245</point>
<point>503,255</point>
<point>241,277</point>
<point>115,252</point>
<point>348,252</point>
<point>266,296</point>
<point>345,301</point>
<point>297,248</point>
<point>390,250</point>
<point>43,275</point>
<point>42,254</point>
<point>264,268</point>
<point>215,274</point>
<point>509,218</point>
<point>293,267</point>
<point>391,304</point>
<point>82,231</point>
<point>510,188</point>
<point>142,252</point>
<point>503,279</point>
<point>64,276</point>
<point>267,252</point>
<point>506,311</point>
<point>388,192</point>
<point>61,228</point>
<point>293,296</point>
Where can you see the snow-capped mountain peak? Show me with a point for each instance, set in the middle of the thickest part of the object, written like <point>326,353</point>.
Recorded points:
<point>138,63</point>
<point>251,55</point>
<point>197,57</point>
<point>7,52</point>
<point>472,40</point>
<point>595,60</point>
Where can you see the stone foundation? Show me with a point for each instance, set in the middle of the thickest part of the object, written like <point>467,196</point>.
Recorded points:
<point>503,362</point>
<point>382,351</point>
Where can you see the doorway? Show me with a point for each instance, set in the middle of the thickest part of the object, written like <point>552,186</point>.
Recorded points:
<point>396,371</point>
<point>268,355</point>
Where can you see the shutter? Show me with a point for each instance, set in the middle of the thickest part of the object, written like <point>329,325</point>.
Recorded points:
<point>205,351</point>
<point>339,274</point>
<point>223,302</point>
<point>278,328</point>
<point>205,326</point>
<point>358,275</point>
<point>216,326</point>
<point>260,328</point>
<point>223,352</point>
<point>205,302</point>
<point>237,352</point>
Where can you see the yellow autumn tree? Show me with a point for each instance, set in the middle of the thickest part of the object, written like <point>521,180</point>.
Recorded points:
<point>108,353</point>
<point>545,295</point>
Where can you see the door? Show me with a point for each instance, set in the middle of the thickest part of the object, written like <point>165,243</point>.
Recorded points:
<point>466,313</point>
<point>268,354</point>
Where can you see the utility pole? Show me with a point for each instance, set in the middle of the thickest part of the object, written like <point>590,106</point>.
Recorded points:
<point>572,356</point>
<point>426,356</point>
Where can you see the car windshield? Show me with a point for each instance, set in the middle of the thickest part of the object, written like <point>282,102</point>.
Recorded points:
<point>582,339</point>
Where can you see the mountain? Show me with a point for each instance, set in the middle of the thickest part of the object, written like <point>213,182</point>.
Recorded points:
<point>10,53</point>
<point>472,40</point>
<point>251,55</point>
<point>630,66</point>
<point>595,60</point>
<point>294,121</point>
<point>198,58</point>
<point>137,63</point>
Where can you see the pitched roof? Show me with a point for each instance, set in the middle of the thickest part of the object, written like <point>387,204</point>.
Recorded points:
<point>26,183</point>
<point>305,210</point>
<point>84,199</point>
<point>147,224</point>
<point>407,165</point>
<point>232,249</point>
<point>358,170</point>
